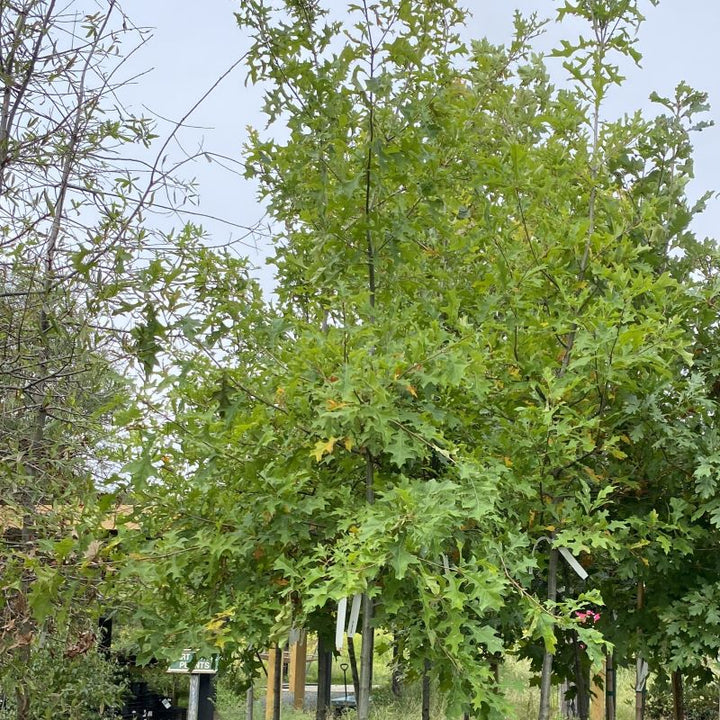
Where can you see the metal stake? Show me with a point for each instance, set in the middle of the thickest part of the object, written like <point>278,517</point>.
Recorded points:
<point>249,699</point>
<point>344,667</point>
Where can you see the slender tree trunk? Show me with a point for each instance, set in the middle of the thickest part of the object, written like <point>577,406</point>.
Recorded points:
<point>640,678</point>
<point>495,667</point>
<point>396,681</point>
<point>639,693</point>
<point>426,691</point>
<point>277,688</point>
<point>546,676</point>
<point>366,657</point>
<point>581,682</point>
<point>371,667</point>
<point>324,679</point>
<point>249,702</point>
<point>610,685</point>
<point>677,693</point>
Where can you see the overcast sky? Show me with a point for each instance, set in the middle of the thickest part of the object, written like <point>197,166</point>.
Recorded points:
<point>194,43</point>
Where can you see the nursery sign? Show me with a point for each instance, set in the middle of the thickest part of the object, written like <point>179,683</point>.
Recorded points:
<point>196,666</point>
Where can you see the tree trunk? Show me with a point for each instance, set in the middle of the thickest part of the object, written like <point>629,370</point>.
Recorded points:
<point>396,679</point>
<point>581,682</point>
<point>249,702</point>
<point>495,667</point>
<point>277,687</point>
<point>366,657</point>
<point>677,693</point>
<point>426,691</point>
<point>639,689</point>
<point>640,677</point>
<point>324,680</point>
<point>546,676</point>
<point>610,685</point>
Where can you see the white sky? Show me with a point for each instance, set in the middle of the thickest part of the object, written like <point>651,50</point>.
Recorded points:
<point>194,43</point>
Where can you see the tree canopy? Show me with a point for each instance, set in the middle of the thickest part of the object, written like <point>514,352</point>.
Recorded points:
<point>486,342</point>
<point>488,356</point>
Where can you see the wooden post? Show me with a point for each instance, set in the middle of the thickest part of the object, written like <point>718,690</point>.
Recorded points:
<point>274,684</point>
<point>298,660</point>
<point>194,697</point>
<point>597,697</point>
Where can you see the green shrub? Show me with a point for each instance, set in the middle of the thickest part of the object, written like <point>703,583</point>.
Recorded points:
<point>701,701</point>
<point>85,687</point>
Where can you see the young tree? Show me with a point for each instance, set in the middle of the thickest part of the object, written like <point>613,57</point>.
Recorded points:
<point>475,277</point>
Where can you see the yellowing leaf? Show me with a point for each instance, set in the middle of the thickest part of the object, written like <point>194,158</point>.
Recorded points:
<point>619,454</point>
<point>411,390</point>
<point>334,404</point>
<point>219,620</point>
<point>508,462</point>
<point>349,443</point>
<point>323,448</point>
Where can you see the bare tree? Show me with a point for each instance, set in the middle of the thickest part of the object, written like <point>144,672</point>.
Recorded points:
<point>75,190</point>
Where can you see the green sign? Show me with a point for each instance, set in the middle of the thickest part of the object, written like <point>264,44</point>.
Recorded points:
<point>188,663</point>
